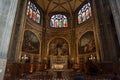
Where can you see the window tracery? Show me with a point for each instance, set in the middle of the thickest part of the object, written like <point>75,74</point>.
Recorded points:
<point>33,12</point>
<point>84,13</point>
<point>58,21</point>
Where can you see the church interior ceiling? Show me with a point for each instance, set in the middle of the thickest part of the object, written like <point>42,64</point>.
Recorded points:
<point>59,5</point>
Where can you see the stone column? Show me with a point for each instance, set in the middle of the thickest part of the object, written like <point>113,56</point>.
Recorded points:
<point>118,5</point>
<point>114,4</point>
<point>7,15</point>
<point>97,33</point>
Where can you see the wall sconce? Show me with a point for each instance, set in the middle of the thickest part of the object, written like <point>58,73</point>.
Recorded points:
<point>92,57</point>
<point>24,58</point>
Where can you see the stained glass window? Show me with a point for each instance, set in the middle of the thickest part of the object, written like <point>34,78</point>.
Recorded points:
<point>84,13</point>
<point>33,12</point>
<point>58,21</point>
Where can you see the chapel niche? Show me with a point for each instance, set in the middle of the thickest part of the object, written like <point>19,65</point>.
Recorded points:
<point>58,51</point>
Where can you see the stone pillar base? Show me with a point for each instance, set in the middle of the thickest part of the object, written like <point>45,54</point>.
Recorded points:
<point>2,68</point>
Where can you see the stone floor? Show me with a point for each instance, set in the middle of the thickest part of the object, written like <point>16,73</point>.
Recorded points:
<point>64,75</point>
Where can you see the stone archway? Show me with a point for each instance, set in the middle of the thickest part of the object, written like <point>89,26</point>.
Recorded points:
<point>58,52</point>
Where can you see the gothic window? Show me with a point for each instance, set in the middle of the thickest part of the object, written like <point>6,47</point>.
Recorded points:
<point>58,21</point>
<point>84,13</point>
<point>33,12</point>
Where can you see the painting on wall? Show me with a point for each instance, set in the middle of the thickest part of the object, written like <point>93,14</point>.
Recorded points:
<point>58,46</point>
<point>30,43</point>
<point>87,43</point>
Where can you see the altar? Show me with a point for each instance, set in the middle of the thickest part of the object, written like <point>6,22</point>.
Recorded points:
<point>58,62</point>
<point>60,74</point>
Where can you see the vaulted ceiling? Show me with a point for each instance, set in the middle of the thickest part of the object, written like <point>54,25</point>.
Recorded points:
<point>68,6</point>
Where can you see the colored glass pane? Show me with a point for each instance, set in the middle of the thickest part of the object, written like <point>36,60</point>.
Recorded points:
<point>58,21</point>
<point>32,12</point>
<point>84,13</point>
